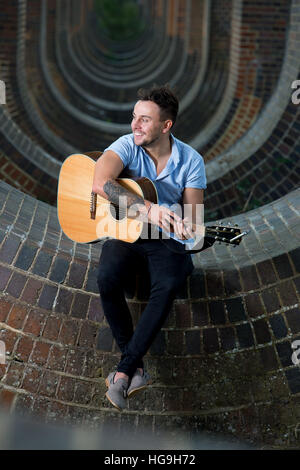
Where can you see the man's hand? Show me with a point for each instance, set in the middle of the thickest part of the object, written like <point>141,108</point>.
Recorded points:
<point>164,218</point>
<point>169,221</point>
<point>184,230</point>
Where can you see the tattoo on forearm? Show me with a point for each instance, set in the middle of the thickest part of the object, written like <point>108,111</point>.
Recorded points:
<point>118,195</point>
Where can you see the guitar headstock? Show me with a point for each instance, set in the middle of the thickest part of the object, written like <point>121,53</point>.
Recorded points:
<point>231,235</point>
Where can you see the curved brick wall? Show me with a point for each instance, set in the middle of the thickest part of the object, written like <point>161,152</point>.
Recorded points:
<point>233,324</point>
<point>231,328</point>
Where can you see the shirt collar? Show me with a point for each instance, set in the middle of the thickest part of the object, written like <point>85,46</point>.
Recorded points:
<point>175,152</point>
<point>173,160</point>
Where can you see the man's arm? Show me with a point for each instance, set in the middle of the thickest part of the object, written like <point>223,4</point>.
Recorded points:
<point>193,213</point>
<point>107,169</point>
<point>193,205</point>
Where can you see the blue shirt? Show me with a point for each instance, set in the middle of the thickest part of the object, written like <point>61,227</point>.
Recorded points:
<point>184,169</point>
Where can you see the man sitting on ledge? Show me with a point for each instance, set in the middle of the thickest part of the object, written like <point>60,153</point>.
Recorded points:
<point>178,173</point>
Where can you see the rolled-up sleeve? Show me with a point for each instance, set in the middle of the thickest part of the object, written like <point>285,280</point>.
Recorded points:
<point>123,148</point>
<point>196,177</point>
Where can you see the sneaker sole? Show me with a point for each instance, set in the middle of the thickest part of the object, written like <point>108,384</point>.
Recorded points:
<point>139,389</point>
<point>114,404</point>
<point>109,399</point>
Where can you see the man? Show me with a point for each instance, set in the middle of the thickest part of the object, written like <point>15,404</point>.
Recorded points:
<point>178,173</point>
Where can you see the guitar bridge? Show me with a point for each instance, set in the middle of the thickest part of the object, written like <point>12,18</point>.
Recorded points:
<point>93,205</point>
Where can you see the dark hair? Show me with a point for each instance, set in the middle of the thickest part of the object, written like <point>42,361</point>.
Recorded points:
<point>164,97</point>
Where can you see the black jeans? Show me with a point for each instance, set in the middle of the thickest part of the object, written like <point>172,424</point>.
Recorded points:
<point>119,262</point>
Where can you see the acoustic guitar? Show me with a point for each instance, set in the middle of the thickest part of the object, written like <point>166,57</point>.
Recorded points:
<point>86,217</point>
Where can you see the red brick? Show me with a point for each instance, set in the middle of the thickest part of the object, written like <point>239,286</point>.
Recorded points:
<point>40,407</point>
<point>88,335</point>
<point>32,291</point>
<point>4,276</point>
<point>40,353</point>
<point>24,348</point>
<point>83,392</point>
<point>6,398</point>
<point>31,380</point>
<point>57,358</point>
<point>66,389</point>
<point>3,368</point>
<point>96,311</point>
<point>75,362</point>
<point>29,185</point>
<point>34,322</point>
<point>14,374</point>
<point>15,174</point>
<point>5,307</point>
<point>22,180</point>
<point>52,328</point>
<point>48,384</point>
<point>17,317</point>
<point>69,332</point>
<point>9,168</point>
<point>9,337</point>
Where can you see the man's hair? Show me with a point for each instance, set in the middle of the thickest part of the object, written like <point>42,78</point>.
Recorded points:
<point>164,97</point>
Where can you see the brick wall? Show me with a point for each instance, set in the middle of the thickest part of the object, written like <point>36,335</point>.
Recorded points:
<point>262,43</point>
<point>231,327</point>
<point>262,46</point>
<point>268,174</point>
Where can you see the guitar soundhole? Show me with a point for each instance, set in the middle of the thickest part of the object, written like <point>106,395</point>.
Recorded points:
<point>118,213</point>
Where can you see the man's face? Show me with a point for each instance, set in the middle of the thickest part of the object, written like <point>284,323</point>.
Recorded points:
<point>146,124</point>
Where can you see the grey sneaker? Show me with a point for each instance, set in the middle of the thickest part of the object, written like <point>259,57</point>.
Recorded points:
<point>138,383</point>
<point>117,392</point>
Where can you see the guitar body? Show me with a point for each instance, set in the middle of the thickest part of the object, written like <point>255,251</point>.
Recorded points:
<point>74,203</point>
